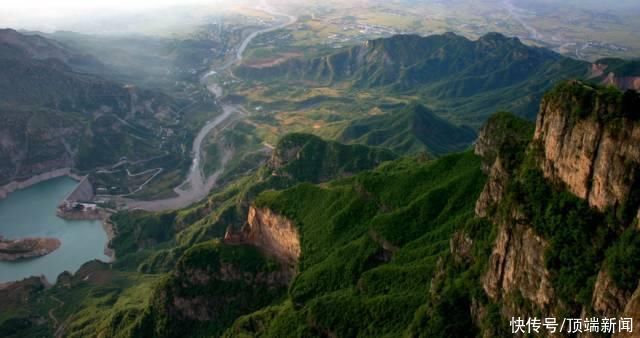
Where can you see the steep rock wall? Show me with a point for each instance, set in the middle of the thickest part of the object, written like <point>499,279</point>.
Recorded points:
<point>629,82</point>
<point>586,139</point>
<point>276,235</point>
<point>516,265</point>
<point>595,156</point>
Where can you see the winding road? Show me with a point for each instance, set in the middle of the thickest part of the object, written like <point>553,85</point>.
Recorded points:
<point>196,186</point>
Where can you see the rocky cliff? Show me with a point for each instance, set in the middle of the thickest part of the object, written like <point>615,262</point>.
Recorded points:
<point>516,267</point>
<point>500,144</point>
<point>586,142</point>
<point>594,148</point>
<point>624,74</point>
<point>305,157</point>
<point>274,234</point>
<point>213,283</point>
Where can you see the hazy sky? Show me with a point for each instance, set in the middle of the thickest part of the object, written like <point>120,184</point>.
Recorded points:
<point>55,5</point>
<point>120,16</point>
<point>86,15</point>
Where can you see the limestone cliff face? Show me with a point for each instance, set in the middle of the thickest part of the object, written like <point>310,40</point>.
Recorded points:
<point>276,235</point>
<point>631,310</point>
<point>608,299</point>
<point>516,266</point>
<point>280,157</point>
<point>627,82</point>
<point>273,233</point>
<point>588,140</point>
<point>502,136</point>
<point>596,157</point>
<point>493,190</point>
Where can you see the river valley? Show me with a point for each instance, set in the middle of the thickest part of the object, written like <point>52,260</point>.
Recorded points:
<point>197,186</point>
<point>31,212</point>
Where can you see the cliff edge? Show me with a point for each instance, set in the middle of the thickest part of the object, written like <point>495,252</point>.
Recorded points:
<point>566,205</point>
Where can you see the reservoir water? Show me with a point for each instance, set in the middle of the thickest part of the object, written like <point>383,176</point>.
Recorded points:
<point>31,212</point>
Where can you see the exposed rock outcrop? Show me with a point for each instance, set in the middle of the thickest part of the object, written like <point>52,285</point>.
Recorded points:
<point>461,246</point>
<point>620,73</point>
<point>626,82</point>
<point>493,190</point>
<point>499,139</point>
<point>631,310</point>
<point>517,265</point>
<point>305,157</point>
<point>608,299</point>
<point>586,139</point>
<point>594,148</point>
<point>282,155</point>
<point>276,235</point>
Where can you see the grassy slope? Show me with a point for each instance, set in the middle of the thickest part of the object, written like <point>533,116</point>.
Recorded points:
<point>308,158</point>
<point>347,283</point>
<point>376,247</point>
<point>413,128</point>
<point>153,242</point>
<point>96,301</point>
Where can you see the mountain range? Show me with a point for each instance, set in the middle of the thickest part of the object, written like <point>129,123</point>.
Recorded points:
<point>463,80</point>
<point>57,115</point>
<point>409,246</point>
<point>407,224</point>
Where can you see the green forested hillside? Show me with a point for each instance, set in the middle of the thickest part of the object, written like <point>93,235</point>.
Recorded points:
<point>400,231</point>
<point>154,242</point>
<point>172,255</point>
<point>469,80</point>
<point>413,128</point>
<point>397,250</point>
<point>371,244</point>
<point>308,158</point>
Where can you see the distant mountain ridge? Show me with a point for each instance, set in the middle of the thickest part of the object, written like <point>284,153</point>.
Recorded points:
<point>470,79</point>
<point>37,47</point>
<point>54,84</point>
<point>407,60</point>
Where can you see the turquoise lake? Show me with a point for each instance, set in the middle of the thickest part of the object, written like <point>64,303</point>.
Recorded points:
<point>31,212</point>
